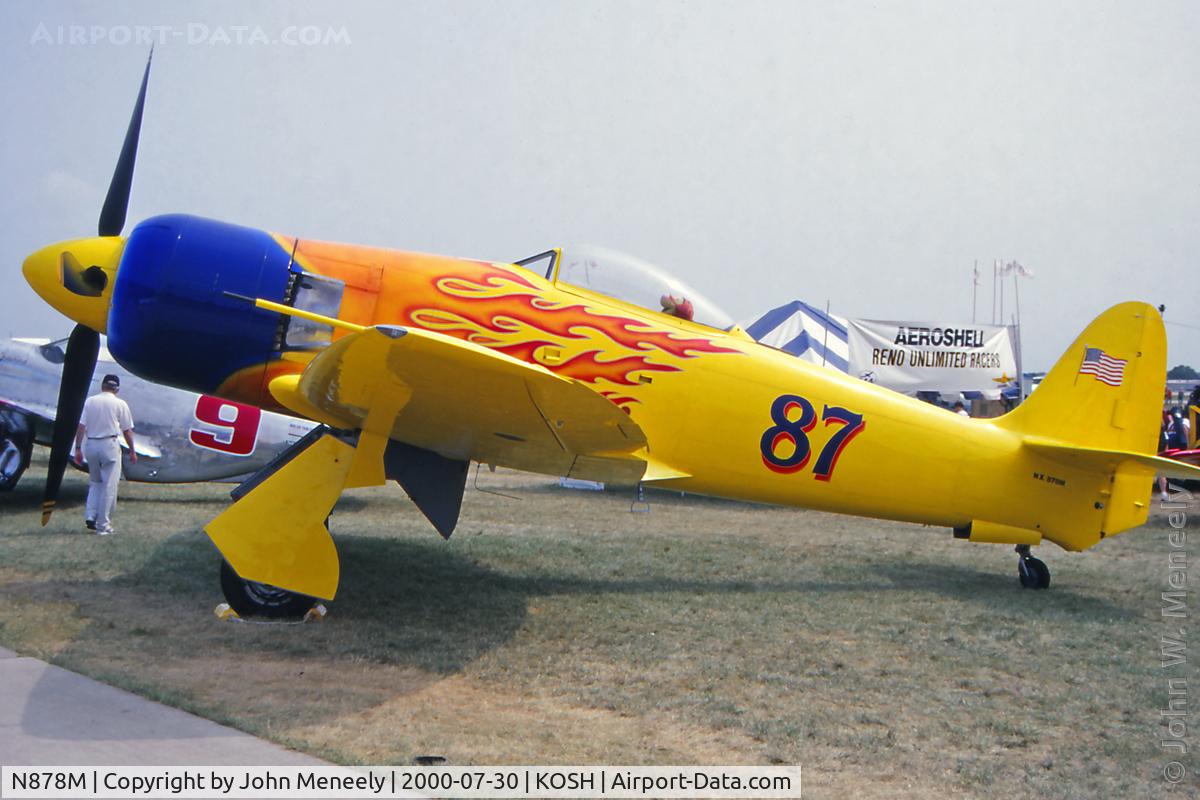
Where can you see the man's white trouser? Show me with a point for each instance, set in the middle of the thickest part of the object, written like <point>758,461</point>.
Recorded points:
<point>104,471</point>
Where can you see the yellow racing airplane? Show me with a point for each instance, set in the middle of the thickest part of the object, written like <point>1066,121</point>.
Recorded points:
<point>573,362</point>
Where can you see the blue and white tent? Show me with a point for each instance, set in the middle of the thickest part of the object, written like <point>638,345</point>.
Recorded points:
<point>805,332</point>
<point>926,359</point>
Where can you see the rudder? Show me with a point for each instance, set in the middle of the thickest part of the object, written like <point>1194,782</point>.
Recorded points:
<point>1099,410</point>
<point>1106,390</point>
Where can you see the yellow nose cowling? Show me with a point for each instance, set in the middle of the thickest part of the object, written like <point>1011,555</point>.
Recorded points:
<point>76,277</point>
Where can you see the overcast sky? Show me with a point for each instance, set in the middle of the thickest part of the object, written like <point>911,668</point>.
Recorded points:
<point>864,154</point>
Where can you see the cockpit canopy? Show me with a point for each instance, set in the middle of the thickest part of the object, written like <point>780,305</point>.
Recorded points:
<point>629,279</point>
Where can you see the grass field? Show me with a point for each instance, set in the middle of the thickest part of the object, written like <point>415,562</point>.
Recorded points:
<point>557,627</point>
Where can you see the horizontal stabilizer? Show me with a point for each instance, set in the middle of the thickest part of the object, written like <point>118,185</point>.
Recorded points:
<point>1104,460</point>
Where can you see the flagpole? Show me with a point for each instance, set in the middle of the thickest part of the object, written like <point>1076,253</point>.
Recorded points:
<point>974,289</point>
<point>1019,272</point>
<point>1020,366</point>
<point>995,272</point>
<point>1017,296</point>
<point>1001,295</point>
<point>825,344</point>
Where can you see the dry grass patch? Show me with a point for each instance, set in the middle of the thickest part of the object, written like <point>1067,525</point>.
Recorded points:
<point>471,723</point>
<point>557,627</point>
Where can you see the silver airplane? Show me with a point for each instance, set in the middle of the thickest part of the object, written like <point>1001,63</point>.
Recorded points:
<point>180,437</point>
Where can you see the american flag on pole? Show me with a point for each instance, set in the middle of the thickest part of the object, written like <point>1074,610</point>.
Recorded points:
<point>1103,367</point>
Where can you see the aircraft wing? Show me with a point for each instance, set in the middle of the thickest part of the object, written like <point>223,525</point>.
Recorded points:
<point>145,448</point>
<point>466,402</point>
<point>32,408</point>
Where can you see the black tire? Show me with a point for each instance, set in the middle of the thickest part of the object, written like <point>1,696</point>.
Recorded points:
<point>252,599</point>
<point>1043,573</point>
<point>1034,573</point>
<point>14,458</point>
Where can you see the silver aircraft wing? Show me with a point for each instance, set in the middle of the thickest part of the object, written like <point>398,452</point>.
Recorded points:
<point>180,436</point>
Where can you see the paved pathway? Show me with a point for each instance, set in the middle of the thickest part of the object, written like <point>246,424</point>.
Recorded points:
<point>51,717</point>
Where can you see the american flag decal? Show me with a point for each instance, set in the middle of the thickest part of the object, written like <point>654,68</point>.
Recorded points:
<point>1103,367</point>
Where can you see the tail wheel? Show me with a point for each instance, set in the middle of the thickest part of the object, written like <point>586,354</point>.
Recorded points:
<point>1034,573</point>
<point>253,599</point>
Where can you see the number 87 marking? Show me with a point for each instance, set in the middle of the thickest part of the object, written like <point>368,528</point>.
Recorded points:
<point>796,431</point>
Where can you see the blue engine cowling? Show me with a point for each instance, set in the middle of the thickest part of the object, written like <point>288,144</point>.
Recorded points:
<point>171,320</point>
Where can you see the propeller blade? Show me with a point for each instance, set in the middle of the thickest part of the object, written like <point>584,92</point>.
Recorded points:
<point>82,350</point>
<point>112,216</point>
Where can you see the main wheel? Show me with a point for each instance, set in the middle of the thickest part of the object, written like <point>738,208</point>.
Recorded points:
<point>1034,573</point>
<point>253,599</point>
<point>14,458</point>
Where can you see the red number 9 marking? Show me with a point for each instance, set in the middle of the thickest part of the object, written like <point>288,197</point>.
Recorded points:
<point>239,423</point>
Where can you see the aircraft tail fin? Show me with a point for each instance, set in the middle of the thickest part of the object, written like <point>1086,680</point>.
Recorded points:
<point>1099,410</point>
<point>1106,391</point>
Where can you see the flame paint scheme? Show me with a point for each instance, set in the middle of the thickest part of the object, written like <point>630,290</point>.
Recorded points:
<point>180,436</point>
<point>419,364</point>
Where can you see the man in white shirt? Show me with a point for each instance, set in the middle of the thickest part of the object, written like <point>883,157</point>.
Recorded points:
<point>105,417</point>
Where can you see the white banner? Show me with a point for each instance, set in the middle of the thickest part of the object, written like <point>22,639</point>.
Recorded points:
<point>911,357</point>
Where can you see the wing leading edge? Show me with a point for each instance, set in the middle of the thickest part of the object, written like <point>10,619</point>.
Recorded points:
<point>466,402</point>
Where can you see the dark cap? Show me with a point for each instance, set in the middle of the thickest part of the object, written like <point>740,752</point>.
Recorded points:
<point>110,382</point>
